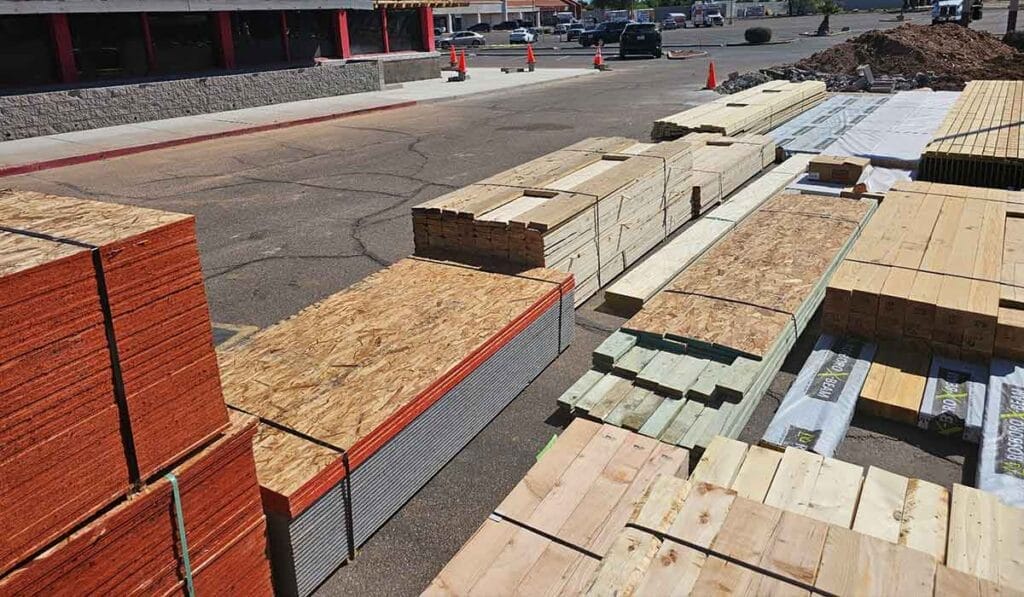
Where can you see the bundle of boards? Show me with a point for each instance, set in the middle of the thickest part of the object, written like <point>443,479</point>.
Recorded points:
<point>755,110</point>
<point>981,141</point>
<point>608,512</point>
<point>695,361</point>
<point>108,380</point>
<point>364,396</point>
<point>591,209</point>
<point>940,266</point>
<point>136,548</point>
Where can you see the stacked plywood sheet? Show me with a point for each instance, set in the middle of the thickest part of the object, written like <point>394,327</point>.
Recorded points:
<point>820,126</point>
<point>755,110</point>
<point>367,394</point>
<point>981,141</point>
<point>747,521</point>
<point>107,370</point>
<point>940,265</point>
<point>629,293</point>
<point>136,548</point>
<point>695,361</point>
<point>549,534</point>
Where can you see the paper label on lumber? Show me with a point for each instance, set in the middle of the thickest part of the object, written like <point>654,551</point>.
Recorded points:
<point>818,407</point>
<point>954,398</point>
<point>1001,460</point>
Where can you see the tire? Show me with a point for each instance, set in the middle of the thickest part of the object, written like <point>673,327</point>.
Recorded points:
<point>477,43</point>
<point>622,55</point>
<point>657,54</point>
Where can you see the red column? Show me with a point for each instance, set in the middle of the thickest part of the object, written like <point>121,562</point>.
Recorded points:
<point>225,41</point>
<point>341,34</point>
<point>384,29</point>
<point>284,37</point>
<point>427,27</point>
<point>60,35</point>
<point>147,39</point>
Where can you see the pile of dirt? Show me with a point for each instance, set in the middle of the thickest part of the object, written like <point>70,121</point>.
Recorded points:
<point>951,54</point>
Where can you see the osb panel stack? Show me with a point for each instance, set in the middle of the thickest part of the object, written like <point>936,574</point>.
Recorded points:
<point>590,209</point>
<point>696,360</point>
<point>135,548</point>
<point>107,368</point>
<point>755,110</point>
<point>981,141</point>
<point>367,394</point>
<point>940,265</point>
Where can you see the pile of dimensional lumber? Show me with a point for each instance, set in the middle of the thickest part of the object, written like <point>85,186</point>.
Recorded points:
<point>598,515</point>
<point>591,209</point>
<point>981,141</point>
<point>629,293</point>
<point>755,110</point>
<point>108,380</point>
<point>364,396</point>
<point>696,360</point>
<point>940,266</point>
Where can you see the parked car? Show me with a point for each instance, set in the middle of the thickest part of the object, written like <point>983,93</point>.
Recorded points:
<point>562,28</point>
<point>640,38</point>
<point>669,24</point>
<point>605,33</point>
<point>573,33</point>
<point>480,28</point>
<point>522,36</point>
<point>461,39</point>
<point>506,26</point>
<point>438,30</point>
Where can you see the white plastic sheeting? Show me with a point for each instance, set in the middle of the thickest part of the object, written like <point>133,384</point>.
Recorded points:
<point>954,398</point>
<point>822,125</point>
<point>1001,461</point>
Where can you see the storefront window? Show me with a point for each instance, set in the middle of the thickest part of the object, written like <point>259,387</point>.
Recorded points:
<point>404,30</point>
<point>184,42</point>
<point>258,37</point>
<point>364,32</point>
<point>311,35</point>
<point>26,51</point>
<point>108,46</point>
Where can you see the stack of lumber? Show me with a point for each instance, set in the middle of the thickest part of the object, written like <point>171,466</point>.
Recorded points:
<point>589,209</point>
<point>135,548</point>
<point>816,412</point>
<point>629,293</point>
<point>940,265</point>
<point>549,534</point>
<point>981,141</point>
<point>695,361</point>
<point>1001,459</point>
<point>820,126</point>
<point>755,110</point>
<point>721,165</point>
<point>107,370</point>
<point>366,395</point>
<point>749,520</point>
<point>816,527</point>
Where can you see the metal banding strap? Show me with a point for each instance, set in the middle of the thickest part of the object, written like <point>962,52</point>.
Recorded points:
<point>179,519</point>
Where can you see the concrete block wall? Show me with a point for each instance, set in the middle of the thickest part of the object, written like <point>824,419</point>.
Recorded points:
<point>412,69</point>
<point>47,113</point>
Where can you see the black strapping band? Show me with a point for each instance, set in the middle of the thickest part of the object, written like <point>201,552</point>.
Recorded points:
<point>120,397</point>
<point>549,536</point>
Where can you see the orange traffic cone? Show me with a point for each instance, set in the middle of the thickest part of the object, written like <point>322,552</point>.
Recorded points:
<point>452,59</point>
<point>598,59</point>
<point>712,80</point>
<point>462,66</point>
<point>530,58</point>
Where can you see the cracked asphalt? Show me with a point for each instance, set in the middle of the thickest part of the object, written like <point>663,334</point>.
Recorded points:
<point>288,217</point>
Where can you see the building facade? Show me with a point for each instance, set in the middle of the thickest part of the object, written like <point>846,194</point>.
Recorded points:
<point>459,18</point>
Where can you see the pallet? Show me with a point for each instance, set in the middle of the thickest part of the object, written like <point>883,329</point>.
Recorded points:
<point>364,396</point>
<point>981,141</point>
<point>108,373</point>
<point>941,266</point>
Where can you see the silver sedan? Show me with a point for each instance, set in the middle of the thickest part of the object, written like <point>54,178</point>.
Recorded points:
<point>461,39</point>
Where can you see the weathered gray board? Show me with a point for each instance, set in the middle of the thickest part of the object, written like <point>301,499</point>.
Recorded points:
<point>816,411</point>
<point>954,398</point>
<point>1001,458</point>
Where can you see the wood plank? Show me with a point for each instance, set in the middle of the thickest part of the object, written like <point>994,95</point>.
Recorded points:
<point>625,564</point>
<point>756,474</point>
<point>880,511</point>
<point>793,486</point>
<point>795,547</point>
<point>925,518</point>
<point>836,492</point>
<point>702,515</point>
<point>673,572</point>
<point>856,564</point>
<point>973,524</point>
<point>721,462</point>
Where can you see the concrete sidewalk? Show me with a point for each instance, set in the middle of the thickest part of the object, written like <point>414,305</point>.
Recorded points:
<point>64,149</point>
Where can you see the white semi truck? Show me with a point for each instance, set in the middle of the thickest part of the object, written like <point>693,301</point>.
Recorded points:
<point>956,11</point>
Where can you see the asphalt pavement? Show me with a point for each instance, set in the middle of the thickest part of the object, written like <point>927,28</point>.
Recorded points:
<point>288,217</point>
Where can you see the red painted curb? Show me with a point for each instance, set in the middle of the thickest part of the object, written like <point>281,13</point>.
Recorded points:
<point>122,151</point>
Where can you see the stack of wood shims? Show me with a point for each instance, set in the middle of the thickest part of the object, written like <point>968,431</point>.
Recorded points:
<point>589,209</point>
<point>107,370</point>
<point>695,361</point>
<point>981,142</point>
<point>135,547</point>
<point>755,110</point>
<point>549,534</point>
<point>367,394</point>
<point>731,526</point>
<point>940,265</point>
<point>629,293</point>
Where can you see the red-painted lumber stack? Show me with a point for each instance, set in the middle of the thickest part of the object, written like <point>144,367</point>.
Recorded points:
<point>134,548</point>
<point>107,369</point>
